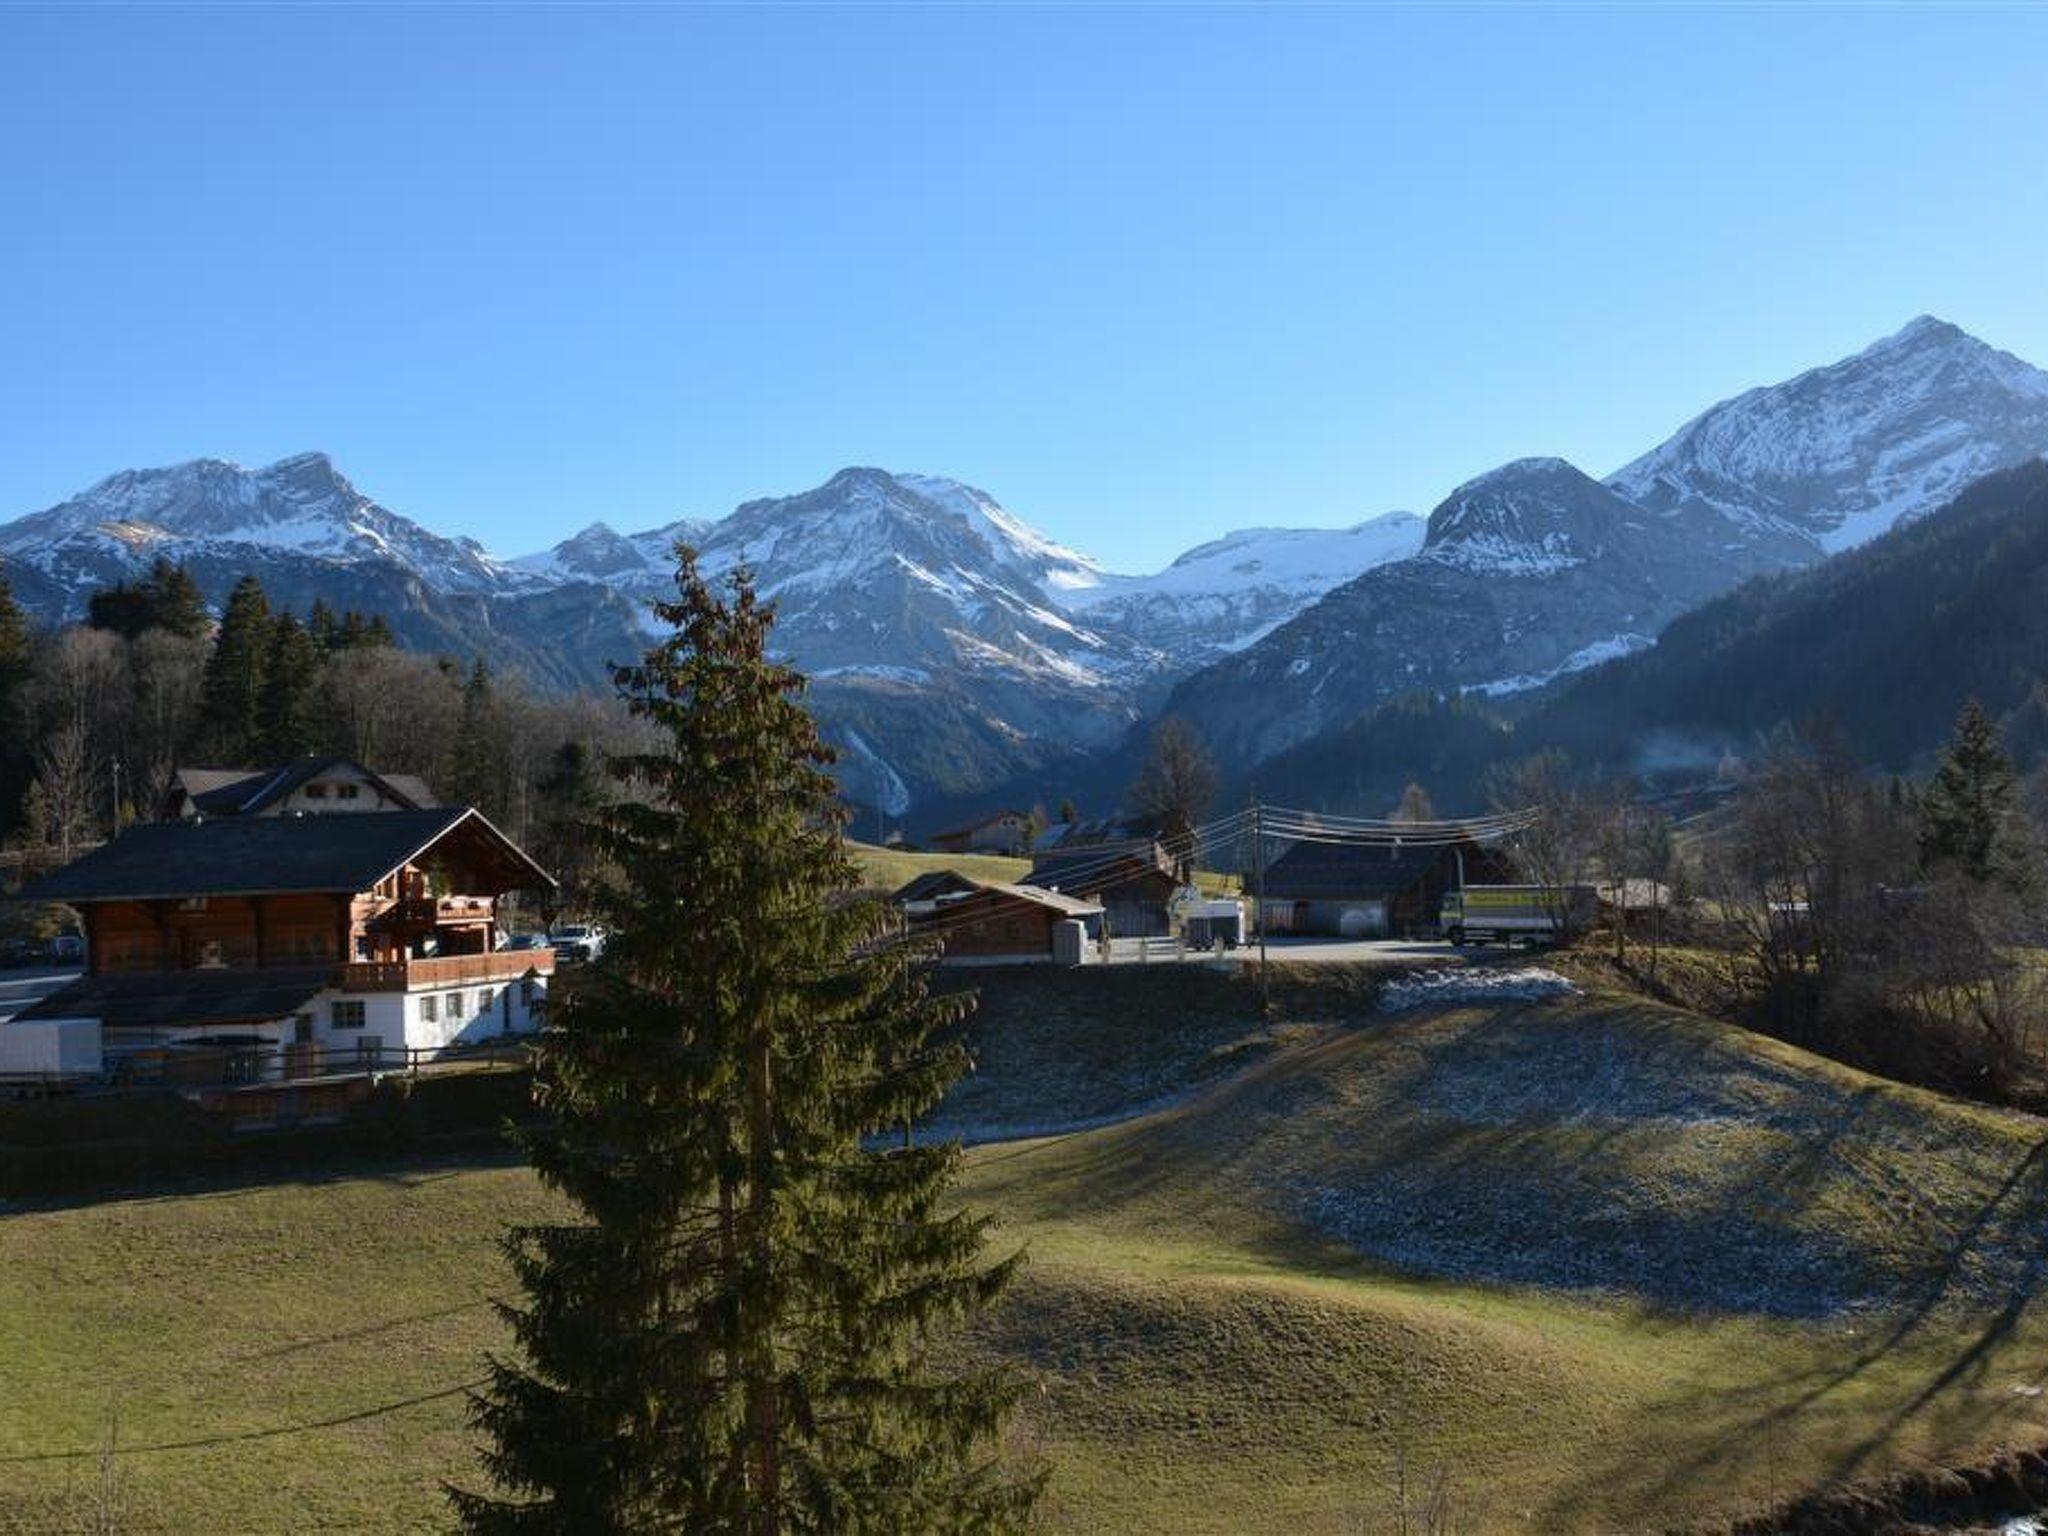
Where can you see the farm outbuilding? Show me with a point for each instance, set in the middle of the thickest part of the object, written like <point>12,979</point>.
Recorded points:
<point>1368,890</point>
<point>1005,925</point>
<point>1133,883</point>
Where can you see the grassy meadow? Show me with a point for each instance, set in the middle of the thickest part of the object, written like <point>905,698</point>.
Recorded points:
<point>1583,1265</point>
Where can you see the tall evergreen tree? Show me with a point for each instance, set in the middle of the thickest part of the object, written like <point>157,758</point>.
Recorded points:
<point>322,626</point>
<point>231,694</point>
<point>291,673</point>
<point>175,601</point>
<point>1970,816</point>
<point>571,794</point>
<point>167,598</point>
<point>16,663</point>
<point>736,1333</point>
<point>476,772</point>
<point>121,609</point>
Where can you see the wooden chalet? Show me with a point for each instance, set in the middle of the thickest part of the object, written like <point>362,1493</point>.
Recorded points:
<point>308,786</point>
<point>313,942</point>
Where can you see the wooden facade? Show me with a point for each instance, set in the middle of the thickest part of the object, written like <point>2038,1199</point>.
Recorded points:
<point>1000,922</point>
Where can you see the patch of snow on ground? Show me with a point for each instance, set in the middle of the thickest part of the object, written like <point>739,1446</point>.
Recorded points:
<point>1613,648</point>
<point>1438,989</point>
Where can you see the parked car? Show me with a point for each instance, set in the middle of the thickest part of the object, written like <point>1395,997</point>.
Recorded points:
<point>67,949</point>
<point>523,941</point>
<point>16,953</point>
<point>576,943</point>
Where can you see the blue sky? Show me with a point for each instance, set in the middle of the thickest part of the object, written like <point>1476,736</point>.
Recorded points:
<point>1145,273</point>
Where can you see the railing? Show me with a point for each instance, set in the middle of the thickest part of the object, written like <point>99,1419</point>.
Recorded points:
<point>198,1068</point>
<point>443,970</point>
<point>424,911</point>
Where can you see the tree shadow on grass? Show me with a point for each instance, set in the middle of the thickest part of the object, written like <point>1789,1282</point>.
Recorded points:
<point>1963,1331</point>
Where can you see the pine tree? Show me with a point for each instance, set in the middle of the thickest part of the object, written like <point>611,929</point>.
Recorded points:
<point>174,600</point>
<point>737,1333</point>
<point>321,625</point>
<point>231,693</point>
<point>120,609</point>
<point>571,793</point>
<point>1970,815</point>
<point>16,662</point>
<point>291,673</point>
<point>476,772</point>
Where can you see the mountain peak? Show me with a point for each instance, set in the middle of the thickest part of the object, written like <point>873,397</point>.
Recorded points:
<point>1840,453</point>
<point>1923,328</point>
<point>1528,517</point>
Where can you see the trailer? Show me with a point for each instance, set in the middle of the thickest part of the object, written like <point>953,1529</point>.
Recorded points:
<point>1501,914</point>
<point>1207,921</point>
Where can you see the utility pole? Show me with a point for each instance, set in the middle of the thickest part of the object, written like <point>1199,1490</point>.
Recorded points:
<point>1259,874</point>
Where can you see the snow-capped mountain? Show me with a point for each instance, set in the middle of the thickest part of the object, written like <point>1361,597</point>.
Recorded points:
<point>301,528</point>
<point>1839,454</point>
<point>1534,571</point>
<point>635,562</point>
<point>301,505</point>
<point>1527,572</point>
<point>952,646</point>
<point>946,638</point>
<point>1221,596</point>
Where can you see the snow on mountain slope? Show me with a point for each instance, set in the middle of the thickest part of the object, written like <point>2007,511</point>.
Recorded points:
<point>1221,596</point>
<point>1841,453</point>
<point>301,506</point>
<point>638,562</point>
<point>1529,571</point>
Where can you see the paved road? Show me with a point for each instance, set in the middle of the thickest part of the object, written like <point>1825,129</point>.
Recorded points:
<point>1326,951</point>
<point>20,988</point>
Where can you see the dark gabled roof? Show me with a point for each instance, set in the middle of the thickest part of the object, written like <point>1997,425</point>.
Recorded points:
<point>232,792</point>
<point>172,999</point>
<point>1333,871</point>
<point>262,856</point>
<point>968,828</point>
<point>1097,868</point>
<point>933,884</point>
<point>996,892</point>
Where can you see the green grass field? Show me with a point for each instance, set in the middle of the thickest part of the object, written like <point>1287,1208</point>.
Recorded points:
<point>885,869</point>
<point>1596,1265</point>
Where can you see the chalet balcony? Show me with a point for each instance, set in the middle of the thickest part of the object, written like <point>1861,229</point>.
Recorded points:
<point>444,971</point>
<point>420,912</point>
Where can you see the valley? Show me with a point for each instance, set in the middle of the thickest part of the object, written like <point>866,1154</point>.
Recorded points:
<point>1224,1318</point>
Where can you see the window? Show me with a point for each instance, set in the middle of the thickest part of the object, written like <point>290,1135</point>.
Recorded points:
<point>346,1014</point>
<point>483,1001</point>
<point>454,1002</point>
<point>345,791</point>
<point>316,791</point>
<point>430,1010</point>
<point>370,1051</point>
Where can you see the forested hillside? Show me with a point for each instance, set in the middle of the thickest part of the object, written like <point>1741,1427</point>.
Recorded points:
<point>1886,641</point>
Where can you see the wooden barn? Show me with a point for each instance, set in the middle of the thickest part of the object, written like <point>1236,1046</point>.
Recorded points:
<point>1133,882</point>
<point>1368,890</point>
<point>1005,925</point>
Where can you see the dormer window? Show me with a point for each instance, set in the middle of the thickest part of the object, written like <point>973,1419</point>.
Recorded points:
<point>316,791</point>
<point>346,791</point>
